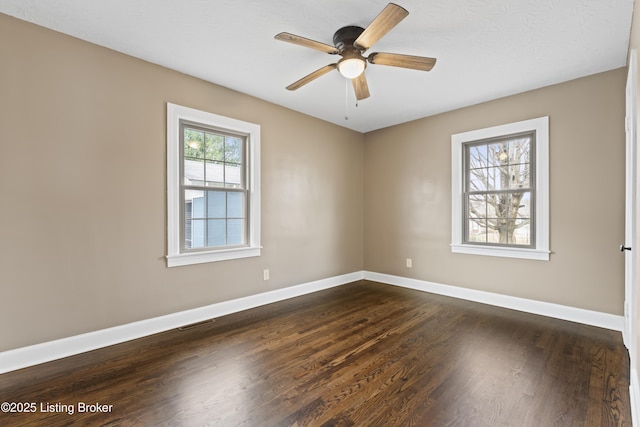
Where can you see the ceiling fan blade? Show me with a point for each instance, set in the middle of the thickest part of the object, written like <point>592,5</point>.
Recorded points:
<point>301,41</point>
<point>405,61</point>
<point>311,77</point>
<point>390,16</point>
<point>361,87</point>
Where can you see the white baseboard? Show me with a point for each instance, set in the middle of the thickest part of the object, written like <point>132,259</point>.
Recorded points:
<point>573,314</point>
<point>23,357</point>
<point>19,358</point>
<point>634,397</point>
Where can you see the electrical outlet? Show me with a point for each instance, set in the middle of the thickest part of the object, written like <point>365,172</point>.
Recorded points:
<point>409,263</point>
<point>265,274</point>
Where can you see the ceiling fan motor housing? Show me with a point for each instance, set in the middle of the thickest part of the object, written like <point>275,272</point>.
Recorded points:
<point>345,36</point>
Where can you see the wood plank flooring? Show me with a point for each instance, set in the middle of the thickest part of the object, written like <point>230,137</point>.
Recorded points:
<point>363,354</point>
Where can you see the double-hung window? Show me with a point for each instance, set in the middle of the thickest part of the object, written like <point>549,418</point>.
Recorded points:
<point>213,187</point>
<point>500,190</point>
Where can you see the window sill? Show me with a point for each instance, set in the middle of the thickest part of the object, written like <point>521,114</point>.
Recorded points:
<point>177,260</point>
<point>535,254</point>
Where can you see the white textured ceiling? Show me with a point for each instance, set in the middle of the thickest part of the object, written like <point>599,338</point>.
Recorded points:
<point>486,49</point>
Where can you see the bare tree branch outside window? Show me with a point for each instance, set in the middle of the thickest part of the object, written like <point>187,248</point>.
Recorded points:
<point>499,189</point>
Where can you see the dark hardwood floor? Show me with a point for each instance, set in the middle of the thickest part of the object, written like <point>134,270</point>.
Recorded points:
<point>363,354</point>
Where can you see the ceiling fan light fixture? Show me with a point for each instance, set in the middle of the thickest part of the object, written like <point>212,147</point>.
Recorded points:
<point>351,67</point>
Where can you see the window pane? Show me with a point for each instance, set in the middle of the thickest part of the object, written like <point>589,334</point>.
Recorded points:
<point>520,232</point>
<point>195,198</point>
<point>235,231</point>
<point>518,205</point>
<point>233,175</point>
<point>478,180</point>
<point>235,205</point>
<point>214,147</point>
<point>497,154</point>
<point>520,150</point>
<point>197,231</point>
<point>524,208</point>
<point>215,174</point>
<point>493,235</point>
<point>498,178</point>
<point>519,176</point>
<point>477,230</point>
<point>217,204</point>
<point>193,172</point>
<point>477,156</point>
<point>216,233</point>
<point>188,207</point>
<point>233,150</point>
<point>477,206</point>
<point>493,204</point>
<point>193,144</point>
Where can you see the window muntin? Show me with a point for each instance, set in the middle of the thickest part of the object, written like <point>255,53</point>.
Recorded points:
<point>499,191</point>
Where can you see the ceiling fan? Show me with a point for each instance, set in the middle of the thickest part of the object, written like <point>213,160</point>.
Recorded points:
<point>351,42</point>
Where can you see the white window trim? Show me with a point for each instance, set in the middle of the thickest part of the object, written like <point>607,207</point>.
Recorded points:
<point>541,252</point>
<point>175,114</point>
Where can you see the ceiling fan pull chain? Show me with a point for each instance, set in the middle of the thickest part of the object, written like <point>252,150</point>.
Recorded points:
<point>346,98</point>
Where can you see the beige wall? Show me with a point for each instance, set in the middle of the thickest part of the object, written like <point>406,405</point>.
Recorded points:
<point>408,197</point>
<point>82,190</point>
